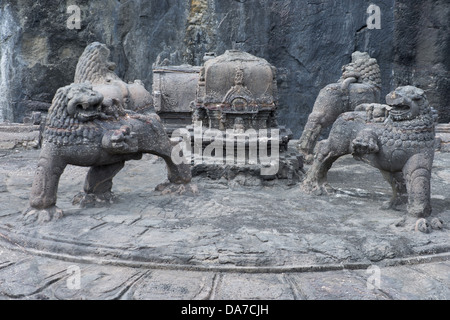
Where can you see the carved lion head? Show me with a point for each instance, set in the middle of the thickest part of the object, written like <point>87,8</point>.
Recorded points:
<point>77,102</point>
<point>95,67</point>
<point>407,103</point>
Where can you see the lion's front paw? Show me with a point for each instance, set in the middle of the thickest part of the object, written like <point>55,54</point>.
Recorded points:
<point>425,226</point>
<point>39,216</point>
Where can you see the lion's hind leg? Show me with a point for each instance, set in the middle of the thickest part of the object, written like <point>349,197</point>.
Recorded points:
<point>316,178</point>
<point>156,141</point>
<point>327,108</point>
<point>328,151</point>
<point>309,137</point>
<point>399,193</point>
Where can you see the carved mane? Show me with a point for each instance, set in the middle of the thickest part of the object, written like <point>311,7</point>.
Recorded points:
<point>366,67</point>
<point>61,128</point>
<point>93,65</point>
<point>58,110</point>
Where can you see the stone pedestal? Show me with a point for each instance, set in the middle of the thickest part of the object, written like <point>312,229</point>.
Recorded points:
<point>225,113</point>
<point>236,108</point>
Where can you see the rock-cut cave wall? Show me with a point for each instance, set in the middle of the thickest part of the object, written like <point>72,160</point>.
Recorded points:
<point>307,40</point>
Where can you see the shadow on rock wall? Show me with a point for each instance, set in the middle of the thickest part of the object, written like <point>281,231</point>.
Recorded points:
<point>308,41</point>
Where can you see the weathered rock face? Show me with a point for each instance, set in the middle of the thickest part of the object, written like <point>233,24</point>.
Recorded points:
<point>422,50</point>
<point>39,53</point>
<point>308,42</point>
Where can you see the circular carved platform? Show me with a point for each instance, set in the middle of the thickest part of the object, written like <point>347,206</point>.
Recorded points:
<point>238,225</point>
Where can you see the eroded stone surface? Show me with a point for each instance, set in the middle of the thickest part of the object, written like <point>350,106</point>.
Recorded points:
<point>80,131</point>
<point>402,147</point>
<point>228,227</point>
<point>360,83</point>
<point>152,241</point>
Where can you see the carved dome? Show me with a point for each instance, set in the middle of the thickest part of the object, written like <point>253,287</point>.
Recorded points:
<point>239,78</point>
<point>237,86</point>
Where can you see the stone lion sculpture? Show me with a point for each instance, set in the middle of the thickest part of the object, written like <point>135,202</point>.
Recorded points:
<point>397,138</point>
<point>360,83</point>
<point>82,131</point>
<point>94,66</point>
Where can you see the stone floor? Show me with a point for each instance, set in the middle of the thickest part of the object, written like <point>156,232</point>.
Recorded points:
<point>240,239</point>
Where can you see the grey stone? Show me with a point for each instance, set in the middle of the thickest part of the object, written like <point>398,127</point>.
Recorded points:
<point>333,285</point>
<point>377,250</point>
<point>19,136</point>
<point>174,89</point>
<point>260,227</point>
<point>360,84</point>
<point>233,243</point>
<point>229,98</point>
<point>436,223</point>
<point>95,67</point>
<point>237,88</point>
<point>423,225</point>
<point>97,283</point>
<point>174,285</point>
<point>443,137</point>
<point>412,285</point>
<point>401,147</point>
<point>29,277</point>
<point>82,131</point>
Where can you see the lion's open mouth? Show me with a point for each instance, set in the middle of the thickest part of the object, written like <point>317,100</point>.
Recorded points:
<point>400,110</point>
<point>85,112</point>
